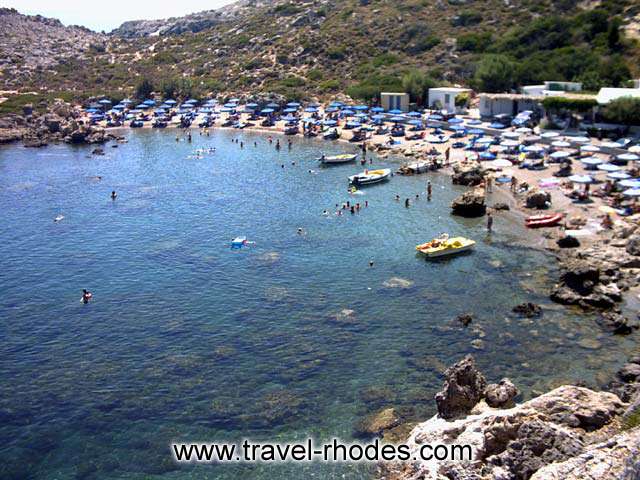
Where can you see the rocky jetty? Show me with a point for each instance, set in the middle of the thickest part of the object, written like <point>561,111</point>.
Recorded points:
<point>467,176</point>
<point>470,204</point>
<point>568,433</point>
<point>59,124</point>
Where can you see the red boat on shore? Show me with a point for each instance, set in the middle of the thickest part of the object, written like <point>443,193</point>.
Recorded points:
<point>541,221</point>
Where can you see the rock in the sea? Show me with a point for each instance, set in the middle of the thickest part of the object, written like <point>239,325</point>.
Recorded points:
<point>538,199</point>
<point>618,323</point>
<point>397,282</point>
<point>633,245</point>
<point>568,242</point>
<point>377,423</point>
<point>469,177</point>
<point>528,310</point>
<point>500,395</point>
<point>463,388</point>
<point>501,206</point>
<point>470,204</point>
<point>465,319</point>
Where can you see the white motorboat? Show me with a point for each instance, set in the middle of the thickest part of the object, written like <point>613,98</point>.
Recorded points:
<point>370,176</point>
<point>344,158</point>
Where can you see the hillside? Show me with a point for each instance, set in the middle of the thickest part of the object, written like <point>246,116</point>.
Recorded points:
<point>321,47</point>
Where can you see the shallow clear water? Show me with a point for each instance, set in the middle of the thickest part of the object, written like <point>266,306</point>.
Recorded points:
<point>187,339</point>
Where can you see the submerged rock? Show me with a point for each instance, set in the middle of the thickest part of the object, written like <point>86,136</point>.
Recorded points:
<point>463,388</point>
<point>470,204</point>
<point>377,423</point>
<point>397,282</point>
<point>465,319</point>
<point>528,310</point>
<point>617,323</point>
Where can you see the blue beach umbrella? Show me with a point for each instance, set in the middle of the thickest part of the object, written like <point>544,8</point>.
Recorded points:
<point>474,122</point>
<point>378,117</point>
<point>267,111</point>
<point>458,128</point>
<point>293,105</point>
<point>414,114</point>
<point>630,183</point>
<point>290,110</point>
<point>395,112</point>
<point>170,102</point>
<point>251,105</point>
<point>397,119</point>
<point>104,101</point>
<point>361,108</point>
<point>454,121</point>
<point>476,131</point>
<point>497,126</point>
<point>436,117</point>
<point>632,192</point>
<point>353,124</point>
<point>289,118</point>
<point>348,112</point>
<point>607,167</point>
<point>618,176</point>
<point>330,123</point>
<point>415,122</point>
<point>487,156</point>
<point>311,110</point>
<point>273,106</point>
<point>377,109</point>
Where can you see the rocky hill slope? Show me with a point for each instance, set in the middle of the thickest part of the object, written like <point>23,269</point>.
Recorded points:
<point>321,47</point>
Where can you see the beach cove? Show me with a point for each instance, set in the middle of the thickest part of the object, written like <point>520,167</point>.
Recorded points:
<point>295,335</point>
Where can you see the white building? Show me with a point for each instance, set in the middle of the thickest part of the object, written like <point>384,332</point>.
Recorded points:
<point>550,89</point>
<point>394,101</point>
<point>606,95</point>
<point>444,98</point>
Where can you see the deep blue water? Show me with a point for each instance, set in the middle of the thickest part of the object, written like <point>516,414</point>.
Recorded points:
<point>187,339</point>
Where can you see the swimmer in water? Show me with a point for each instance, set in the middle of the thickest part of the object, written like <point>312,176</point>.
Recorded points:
<point>371,263</point>
<point>406,203</point>
<point>114,195</point>
<point>86,296</point>
<point>300,231</point>
<point>397,198</point>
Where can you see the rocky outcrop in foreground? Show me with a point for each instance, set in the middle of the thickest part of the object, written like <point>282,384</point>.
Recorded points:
<point>568,433</point>
<point>470,204</point>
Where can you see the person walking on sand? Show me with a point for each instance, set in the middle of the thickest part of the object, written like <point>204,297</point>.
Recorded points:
<point>489,222</point>
<point>489,181</point>
<point>447,155</point>
<point>514,184</point>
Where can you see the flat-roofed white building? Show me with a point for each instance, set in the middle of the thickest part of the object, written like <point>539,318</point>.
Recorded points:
<point>444,98</point>
<point>606,95</point>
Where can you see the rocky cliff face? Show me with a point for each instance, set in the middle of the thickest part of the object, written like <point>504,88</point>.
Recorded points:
<point>568,433</point>
<point>34,43</point>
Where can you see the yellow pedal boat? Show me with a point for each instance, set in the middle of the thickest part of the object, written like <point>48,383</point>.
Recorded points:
<point>444,246</point>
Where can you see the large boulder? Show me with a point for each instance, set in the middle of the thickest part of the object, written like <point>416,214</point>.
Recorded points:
<point>470,176</point>
<point>463,388</point>
<point>470,204</point>
<point>617,323</point>
<point>633,245</point>
<point>500,395</point>
<point>538,199</point>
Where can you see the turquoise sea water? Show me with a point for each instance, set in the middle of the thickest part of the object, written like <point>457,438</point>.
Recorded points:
<point>187,339</point>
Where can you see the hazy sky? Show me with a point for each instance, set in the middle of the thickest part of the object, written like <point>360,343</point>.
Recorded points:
<point>108,14</point>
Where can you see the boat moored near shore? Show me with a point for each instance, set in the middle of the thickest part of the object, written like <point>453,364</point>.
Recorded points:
<point>369,177</point>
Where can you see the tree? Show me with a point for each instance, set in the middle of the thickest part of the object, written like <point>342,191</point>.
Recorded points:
<point>417,85</point>
<point>495,73</point>
<point>613,35</point>
<point>144,89</point>
<point>625,111</point>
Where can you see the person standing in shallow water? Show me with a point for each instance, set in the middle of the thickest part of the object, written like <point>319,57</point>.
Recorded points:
<point>489,222</point>
<point>114,195</point>
<point>429,191</point>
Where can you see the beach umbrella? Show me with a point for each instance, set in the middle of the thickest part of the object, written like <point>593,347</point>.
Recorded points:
<point>415,122</point>
<point>561,144</point>
<point>524,130</point>
<point>267,111</point>
<point>289,118</point>
<point>362,115</point>
<point>353,124</point>
<point>581,179</point>
<point>611,145</point>
<point>534,149</point>
<point>607,167</point>
<point>222,110</point>
<point>251,105</point>
<point>435,116</point>
<point>230,105</point>
<point>510,135</point>
<point>476,131</point>
<point>487,156</point>
<point>497,126</point>
<point>378,117</point>
<point>458,128</point>
<point>579,139</point>
<point>630,183</point>
<point>634,149</point>
<point>550,135</point>
<point>170,102</point>
<point>233,100</point>
<point>454,121</point>
<point>312,110</point>
<point>632,192</point>
<point>330,123</point>
<point>509,143</point>
<point>618,176</point>
<point>126,101</point>
<point>589,148</point>
<point>336,104</point>
<point>289,110</point>
<point>628,157</point>
<point>560,154</point>
<point>395,112</point>
<point>361,108</point>
<point>91,110</point>
<point>377,109</point>
<point>397,119</point>
<point>142,106</point>
<point>348,111</point>
<point>293,105</point>
<point>485,140</point>
<point>592,161</point>
<point>500,163</point>
<point>414,114</point>
<point>474,122</point>
<point>274,106</point>
<point>149,102</point>
<point>104,101</point>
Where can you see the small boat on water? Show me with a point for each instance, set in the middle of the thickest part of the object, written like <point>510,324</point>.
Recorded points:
<point>445,246</point>
<point>414,168</point>
<point>238,242</point>
<point>334,159</point>
<point>541,221</point>
<point>369,177</point>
